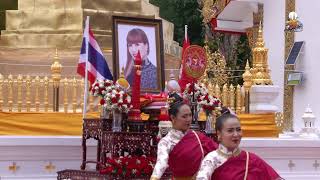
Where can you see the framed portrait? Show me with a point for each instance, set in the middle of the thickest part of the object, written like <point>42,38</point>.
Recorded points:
<point>132,35</point>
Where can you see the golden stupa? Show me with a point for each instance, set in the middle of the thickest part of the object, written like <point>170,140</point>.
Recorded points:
<point>260,70</point>
<point>258,125</point>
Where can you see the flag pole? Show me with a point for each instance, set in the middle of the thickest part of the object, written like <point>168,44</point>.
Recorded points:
<point>85,97</point>
<point>185,38</point>
<point>185,32</point>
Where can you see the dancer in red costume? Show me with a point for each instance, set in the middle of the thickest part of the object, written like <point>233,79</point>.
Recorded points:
<point>181,150</point>
<point>229,162</point>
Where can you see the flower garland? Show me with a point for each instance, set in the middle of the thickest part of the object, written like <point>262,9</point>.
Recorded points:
<point>112,96</point>
<point>129,166</point>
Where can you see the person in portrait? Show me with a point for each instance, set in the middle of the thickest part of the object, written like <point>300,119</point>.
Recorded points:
<point>182,149</point>
<point>137,40</point>
<point>229,162</point>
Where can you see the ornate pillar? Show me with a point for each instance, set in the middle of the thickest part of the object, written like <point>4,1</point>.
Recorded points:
<point>288,90</point>
<point>56,77</point>
<point>247,83</point>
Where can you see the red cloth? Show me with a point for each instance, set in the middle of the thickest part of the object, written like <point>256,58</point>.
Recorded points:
<point>234,169</point>
<point>185,157</point>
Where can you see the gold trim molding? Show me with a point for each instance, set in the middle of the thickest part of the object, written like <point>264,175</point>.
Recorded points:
<point>288,90</point>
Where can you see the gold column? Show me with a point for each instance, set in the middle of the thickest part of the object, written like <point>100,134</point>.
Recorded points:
<point>65,95</point>
<point>243,100</point>
<point>231,97</point>
<point>225,94</point>
<point>288,90</point>
<point>46,92</point>
<point>19,82</point>
<point>238,101</point>
<point>36,88</point>
<point>10,96</point>
<point>74,95</point>
<point>1,95</point>
<point>28,94</point>
<point>56,76</point>
<point>247,78</point>
<point>82,93</point>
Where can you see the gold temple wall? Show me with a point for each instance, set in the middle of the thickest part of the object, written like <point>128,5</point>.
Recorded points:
<point>47,4</point>
<point>39,26</point>
<point>59,23</point>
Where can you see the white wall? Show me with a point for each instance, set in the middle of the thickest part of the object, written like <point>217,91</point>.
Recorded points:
<point>274,23</point>
<point>33,153</point>
<point>274,18</point>
<point>309,62</point>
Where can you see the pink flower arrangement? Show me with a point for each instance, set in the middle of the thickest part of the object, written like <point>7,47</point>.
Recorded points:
<point>112,96</point>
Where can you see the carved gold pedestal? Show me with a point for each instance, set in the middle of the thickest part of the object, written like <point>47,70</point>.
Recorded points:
<point>259,125</point>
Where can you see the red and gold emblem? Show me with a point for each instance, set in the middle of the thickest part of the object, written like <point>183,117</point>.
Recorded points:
<point>194,61</point>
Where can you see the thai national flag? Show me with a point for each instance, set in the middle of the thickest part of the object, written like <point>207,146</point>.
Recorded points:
<point>97,65</point>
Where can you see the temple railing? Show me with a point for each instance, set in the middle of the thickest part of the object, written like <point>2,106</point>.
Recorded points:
<point>230,95</point>
<point>24,93</point>
<point>35,94</point>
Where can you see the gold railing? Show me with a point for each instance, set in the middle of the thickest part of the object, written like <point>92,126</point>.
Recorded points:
<point>35,94</point>
<point>230,95</point>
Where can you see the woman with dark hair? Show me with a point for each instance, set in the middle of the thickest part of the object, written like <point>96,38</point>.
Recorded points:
<point>229,162</point>
<point>181,150</point>
<point>137,40</point>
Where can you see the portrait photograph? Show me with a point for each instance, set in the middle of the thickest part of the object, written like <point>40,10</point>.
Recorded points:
<point>133,35</point>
